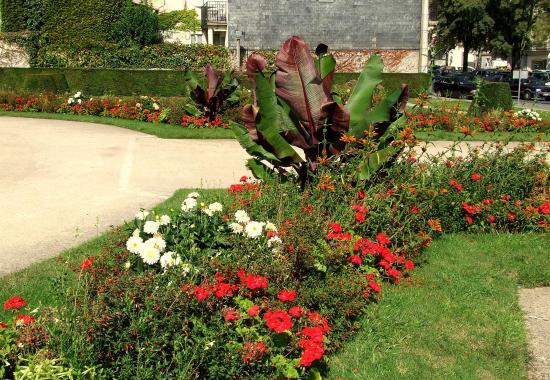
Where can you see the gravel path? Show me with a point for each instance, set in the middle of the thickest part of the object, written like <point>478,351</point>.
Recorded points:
<point>536,306</point>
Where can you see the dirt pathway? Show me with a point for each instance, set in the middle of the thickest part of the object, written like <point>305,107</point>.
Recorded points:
<point>536,306</point>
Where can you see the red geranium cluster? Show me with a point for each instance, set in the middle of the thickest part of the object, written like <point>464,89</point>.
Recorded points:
<point>253,351</point>
<point>16,302</point>
<point>188,121</point>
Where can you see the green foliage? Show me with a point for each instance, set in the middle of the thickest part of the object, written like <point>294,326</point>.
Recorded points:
<point>138,24</point>
<point>13,15</point>
<point>211,93</point>
<point>492,96</point>
<point>79,21</point>
<point>185,20</point>
<point>109,55</point>
<point>466,22</point>
<point>52,83</point>
<point>295,108</point>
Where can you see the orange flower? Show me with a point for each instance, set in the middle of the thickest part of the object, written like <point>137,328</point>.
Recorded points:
<point>326,183</point>
<point>466,131</point>
<point>348,139</point>
<point>435,225</point>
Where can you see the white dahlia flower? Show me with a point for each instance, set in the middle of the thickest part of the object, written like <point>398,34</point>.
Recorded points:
<point>189,204</point>
<point>242,217</point>
<point>151,227</point>
<point>142,215</point>
<point>254,229</point>
<point>169,259</point>
<point>134,244</point>
<point>215,207</point>
<point>149,254</point>
<point>236,228</point>
<point>193,195</point>
<point>270,227</point>
<point>157,242</point>
<point>165,220</point>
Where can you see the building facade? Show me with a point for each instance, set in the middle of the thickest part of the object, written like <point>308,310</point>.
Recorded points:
<point>353,29</point>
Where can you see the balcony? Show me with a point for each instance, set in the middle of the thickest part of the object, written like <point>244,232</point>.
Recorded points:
<point>214,13</point>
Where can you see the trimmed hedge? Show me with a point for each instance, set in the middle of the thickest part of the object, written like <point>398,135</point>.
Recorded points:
<point>494,95</point>
<point>13,15</point>
<point>98,82</point>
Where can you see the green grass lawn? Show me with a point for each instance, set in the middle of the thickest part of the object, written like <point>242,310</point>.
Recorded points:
<point>456,317</point>
<point>164,131</point>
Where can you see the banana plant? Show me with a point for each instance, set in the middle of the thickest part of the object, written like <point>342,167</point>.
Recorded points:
<point>295,108</point>
<point>210,92</point>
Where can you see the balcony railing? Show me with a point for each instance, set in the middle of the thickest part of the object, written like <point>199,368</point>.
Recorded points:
<point>214,13</point>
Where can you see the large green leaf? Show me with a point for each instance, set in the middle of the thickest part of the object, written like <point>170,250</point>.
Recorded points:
<point>360,100</point>
<point>268,124</point>
<point>260,170</point>
<point>251,147</point>
<point>381,112</point>
<point>325,65</point>
<point>375,161</point>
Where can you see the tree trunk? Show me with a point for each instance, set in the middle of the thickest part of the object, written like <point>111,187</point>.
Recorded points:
<point>465,57</point>
<point>516,57</point>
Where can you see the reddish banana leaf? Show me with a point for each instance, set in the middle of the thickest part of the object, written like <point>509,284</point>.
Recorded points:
<point>298,83</point>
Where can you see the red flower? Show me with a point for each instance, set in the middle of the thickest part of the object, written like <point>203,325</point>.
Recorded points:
<point>243,178</point>
<point>356,259</point>
<point>375,286</point>
<point>414,209</point>
<point>312,345</point>
<point>253,351</point>
<point>202,292</point>
<point>409,265</point>
<point>544,208</point>
<point>231,315</point>
<point>366,293</point>
<point>383,239</point>
<point>24,319</point>
<point>491,218</point>
<point>253,311</point>
<point>361,195</point>
<point>360,217</point>
<point>16,302</point>
<point>253,281</point>
<point>476,177</point>
<point>223,290</point>
<point>287,295</point>
<point>469,220</point>
<point>295,311</point>
<point>3,325</point>
<point>278,320</point>
<point>511,217</point>
<point>87,263</point>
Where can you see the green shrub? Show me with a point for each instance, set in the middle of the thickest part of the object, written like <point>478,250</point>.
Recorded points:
<point>13,15</point>
<point>76,21</point>
<point>185,19</point>
<point>491,96</point>
<point>138,24</point>
<point>39,82</point>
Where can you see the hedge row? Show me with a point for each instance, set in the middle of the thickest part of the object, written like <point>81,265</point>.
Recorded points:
<point>13,15</point>
<point>142,82</point>
<point>108,55</point>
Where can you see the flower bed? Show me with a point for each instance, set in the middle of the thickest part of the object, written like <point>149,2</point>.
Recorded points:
<point>268,280</point>
<point>429,117</point>
<point>171,111</point>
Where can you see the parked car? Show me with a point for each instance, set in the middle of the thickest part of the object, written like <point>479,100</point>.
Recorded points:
<point>500,76</point>
<point>542,75</point>
<point>531,89</point>
<point>455,86</point>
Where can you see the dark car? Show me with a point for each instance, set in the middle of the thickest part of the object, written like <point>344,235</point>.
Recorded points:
<point>456,86</point>
<point>531,89</point>
<point>540,75</point>
<point>500,76</point>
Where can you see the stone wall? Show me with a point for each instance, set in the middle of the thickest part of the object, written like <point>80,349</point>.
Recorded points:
<point>341,24</point>
<point>13,55</point>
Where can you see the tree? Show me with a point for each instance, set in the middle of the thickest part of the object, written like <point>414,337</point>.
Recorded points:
<point>463,21</point>
<point>514,22</point>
